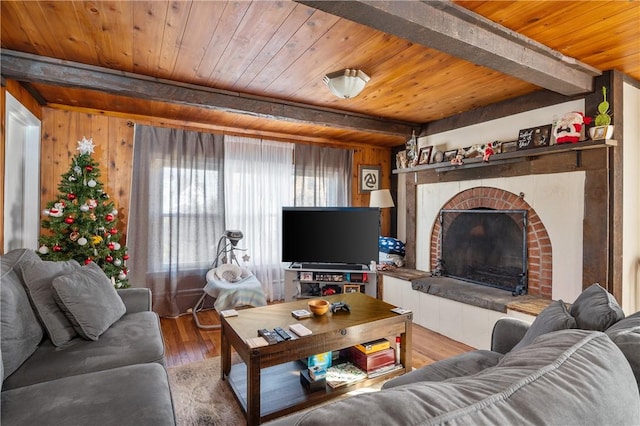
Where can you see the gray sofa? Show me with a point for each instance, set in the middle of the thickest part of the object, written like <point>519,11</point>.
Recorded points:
<point>576,366</point>
<point>101,365</point>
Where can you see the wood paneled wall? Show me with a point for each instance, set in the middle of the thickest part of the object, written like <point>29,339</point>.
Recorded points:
<point>113,137</point>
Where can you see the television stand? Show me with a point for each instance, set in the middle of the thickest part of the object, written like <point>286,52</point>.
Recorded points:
<point>308,280</point>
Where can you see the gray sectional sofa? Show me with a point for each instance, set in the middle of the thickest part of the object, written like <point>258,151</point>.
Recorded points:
<point>572,366</point>
<point>75,351</point>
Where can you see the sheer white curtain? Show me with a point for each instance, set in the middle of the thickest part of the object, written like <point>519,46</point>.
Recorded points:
<point>177,213</point>
<point>258,183</point>
<point>322,176</point>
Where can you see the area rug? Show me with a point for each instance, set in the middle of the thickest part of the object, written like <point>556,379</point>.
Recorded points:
<point>202,398</point>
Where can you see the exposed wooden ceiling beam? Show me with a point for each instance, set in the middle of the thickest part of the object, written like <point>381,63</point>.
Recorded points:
<point>30,68</point>
<point>451,29</point>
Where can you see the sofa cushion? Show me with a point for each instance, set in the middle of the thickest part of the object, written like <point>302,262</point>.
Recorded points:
<point>132,395</point>
<point>89,300</point>
<point>133,339</point>
<point>564,377</point>
<point>20,330</point>
<point>552,318</point>
<point>38,277</point>
<point>596,309</point>
<point>626,335</point>
<point>460,365</point>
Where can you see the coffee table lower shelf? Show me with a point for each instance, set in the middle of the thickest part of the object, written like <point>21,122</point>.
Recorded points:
<point>281,392</point>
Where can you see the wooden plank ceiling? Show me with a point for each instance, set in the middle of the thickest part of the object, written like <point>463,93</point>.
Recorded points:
<point>257,66</point>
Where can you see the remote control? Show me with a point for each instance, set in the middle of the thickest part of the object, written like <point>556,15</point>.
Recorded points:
<point>269,336</point>
<point>300,329</point>
<point>282,333</point>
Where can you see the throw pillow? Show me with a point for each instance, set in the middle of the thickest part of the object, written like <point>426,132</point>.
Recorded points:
<point>20,330</point>
<point>89,300</point>
<point>596,309</point>
<point>37,277</point>
<point>553,318</point>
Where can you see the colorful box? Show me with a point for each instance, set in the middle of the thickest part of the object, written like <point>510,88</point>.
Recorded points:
<point>322,360</point>
<point>373,346</point>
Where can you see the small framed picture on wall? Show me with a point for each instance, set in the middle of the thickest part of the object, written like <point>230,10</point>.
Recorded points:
<point>368,178</point>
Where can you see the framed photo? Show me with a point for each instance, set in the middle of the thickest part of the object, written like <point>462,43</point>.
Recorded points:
<point>450,155</point>
<point>599,132</point>
<point>349,288</point>
<point>425,155</point>
<point>368,178</point>
<point>508,146</point>
<point>534,137</point>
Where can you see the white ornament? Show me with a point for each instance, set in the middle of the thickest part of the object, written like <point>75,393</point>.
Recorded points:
<point>72,178</point>
<point>45,212</point>
<point>43,250</point>
<point>116,246</point>
<point>114,212</point>
<point>122,275</point>
<point>82,241</point>
<point>84,207</point>
<point>117,262</point>
<point>85,146</point>
<point>91,183</point>
<point>77,169</point>
<point>55,212</point>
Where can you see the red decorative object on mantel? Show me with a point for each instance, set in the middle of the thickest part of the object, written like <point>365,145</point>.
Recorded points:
<point>569,127</point>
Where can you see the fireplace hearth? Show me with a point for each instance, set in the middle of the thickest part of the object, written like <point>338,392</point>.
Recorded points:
<point>486,247</point>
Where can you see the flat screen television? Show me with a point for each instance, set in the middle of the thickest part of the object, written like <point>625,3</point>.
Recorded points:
<point>330,235</point>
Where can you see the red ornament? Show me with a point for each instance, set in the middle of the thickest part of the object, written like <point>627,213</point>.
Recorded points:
<point>69,220</point>
<point>89,168</point>
<point>71,196</point>
<point>88,260</point>
<point>109,259</point>
<point>111,246</point>
<point>109,217</point>
<point>113,231</point>
<point>125,257</point>
<point>57,248</point>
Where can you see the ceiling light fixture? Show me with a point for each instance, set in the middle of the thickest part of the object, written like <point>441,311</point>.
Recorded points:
<point>347,83</point>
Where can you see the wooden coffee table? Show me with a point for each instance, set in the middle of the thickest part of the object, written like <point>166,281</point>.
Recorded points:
<point>267,385</point>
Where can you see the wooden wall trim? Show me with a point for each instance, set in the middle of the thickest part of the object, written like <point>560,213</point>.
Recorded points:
<point>3,99</point>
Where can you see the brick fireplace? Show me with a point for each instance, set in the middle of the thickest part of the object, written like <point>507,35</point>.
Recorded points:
<point>558,222</point>
<point>539,248</point>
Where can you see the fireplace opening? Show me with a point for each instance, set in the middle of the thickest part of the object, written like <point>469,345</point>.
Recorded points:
<point>486,247</point>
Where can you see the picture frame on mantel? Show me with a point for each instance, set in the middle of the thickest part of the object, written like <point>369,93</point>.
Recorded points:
<point>425,155</point>
<point>368,178</point>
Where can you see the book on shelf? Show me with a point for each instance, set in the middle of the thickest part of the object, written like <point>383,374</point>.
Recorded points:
<point>384,370</point>
<point>344,374</point>
<point>373,346</point>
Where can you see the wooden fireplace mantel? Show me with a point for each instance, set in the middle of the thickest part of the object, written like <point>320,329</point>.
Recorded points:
<point>511,157</point>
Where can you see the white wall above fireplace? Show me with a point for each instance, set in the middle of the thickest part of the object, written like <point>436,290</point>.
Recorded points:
<point>557,198</point>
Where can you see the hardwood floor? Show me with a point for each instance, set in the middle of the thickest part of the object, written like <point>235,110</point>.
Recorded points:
<point>187,343</point>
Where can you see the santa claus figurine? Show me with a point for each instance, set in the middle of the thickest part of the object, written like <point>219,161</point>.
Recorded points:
<point>569,127</point>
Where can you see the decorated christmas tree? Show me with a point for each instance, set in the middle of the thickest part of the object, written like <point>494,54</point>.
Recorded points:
<point>82,220</point>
